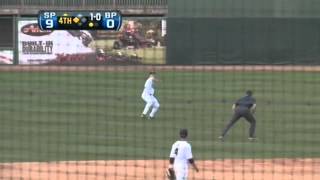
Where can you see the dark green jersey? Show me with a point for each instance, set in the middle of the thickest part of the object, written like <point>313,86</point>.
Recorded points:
<point>246,101</point>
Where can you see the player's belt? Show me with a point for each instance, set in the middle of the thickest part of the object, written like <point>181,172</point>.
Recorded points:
<point>243,106</point>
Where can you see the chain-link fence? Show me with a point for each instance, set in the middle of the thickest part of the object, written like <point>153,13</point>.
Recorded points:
<point>231,93</point>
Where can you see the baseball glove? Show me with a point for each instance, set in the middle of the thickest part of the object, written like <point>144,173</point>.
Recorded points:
<point>170,174</point>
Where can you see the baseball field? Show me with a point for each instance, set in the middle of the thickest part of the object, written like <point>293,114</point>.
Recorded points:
<point>83,123</point>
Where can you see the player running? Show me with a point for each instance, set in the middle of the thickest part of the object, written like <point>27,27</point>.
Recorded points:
<point>181,156</point>
<point>148,96</point>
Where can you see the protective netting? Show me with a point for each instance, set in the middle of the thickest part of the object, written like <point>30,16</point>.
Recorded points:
<point>104,107</point>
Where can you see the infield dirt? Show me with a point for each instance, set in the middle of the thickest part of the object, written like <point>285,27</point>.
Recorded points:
<point>227,169</point>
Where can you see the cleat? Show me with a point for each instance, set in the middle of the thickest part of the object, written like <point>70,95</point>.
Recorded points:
<point>151,118</point>
<point>252,139</point>
<point>221,138</point>
<point>143,116</point>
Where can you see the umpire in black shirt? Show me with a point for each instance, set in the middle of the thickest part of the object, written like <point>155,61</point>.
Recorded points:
<point>244,107</point>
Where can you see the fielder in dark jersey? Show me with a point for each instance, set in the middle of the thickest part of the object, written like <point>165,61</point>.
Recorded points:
<point>244,107</point>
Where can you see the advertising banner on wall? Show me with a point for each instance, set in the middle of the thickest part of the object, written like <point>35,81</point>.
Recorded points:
<point>139,41</point>
<point>6,56</point>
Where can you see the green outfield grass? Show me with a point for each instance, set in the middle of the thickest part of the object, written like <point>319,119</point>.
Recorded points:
<point>82,116</point>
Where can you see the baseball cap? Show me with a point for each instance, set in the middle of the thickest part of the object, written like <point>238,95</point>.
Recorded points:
<point>183,133</point>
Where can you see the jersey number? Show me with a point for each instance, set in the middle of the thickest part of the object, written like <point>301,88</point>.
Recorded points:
<point>176,151</point>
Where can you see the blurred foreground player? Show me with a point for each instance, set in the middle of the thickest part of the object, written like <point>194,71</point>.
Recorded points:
<point>180,158</point>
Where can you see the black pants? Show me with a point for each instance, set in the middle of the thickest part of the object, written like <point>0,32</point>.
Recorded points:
<point>245,113</point>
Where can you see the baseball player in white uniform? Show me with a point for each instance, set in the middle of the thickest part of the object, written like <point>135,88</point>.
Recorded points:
<point>148,96</point>
<point>181,156</point>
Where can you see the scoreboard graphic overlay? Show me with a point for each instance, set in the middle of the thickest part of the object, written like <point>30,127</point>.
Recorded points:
<point>79,20</point>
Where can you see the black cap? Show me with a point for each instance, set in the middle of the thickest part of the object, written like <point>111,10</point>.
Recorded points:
<point>249,92</point>
<point>152,72</point>
<point>183,133</point>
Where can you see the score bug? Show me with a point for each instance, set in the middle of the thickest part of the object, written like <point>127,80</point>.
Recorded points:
<point>80,20</point>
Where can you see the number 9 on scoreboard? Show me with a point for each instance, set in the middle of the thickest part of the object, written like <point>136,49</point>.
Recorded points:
<point>49,23</point>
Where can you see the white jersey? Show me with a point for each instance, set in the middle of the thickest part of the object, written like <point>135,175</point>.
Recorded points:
<point>181,152</point>
<point>148,86</point>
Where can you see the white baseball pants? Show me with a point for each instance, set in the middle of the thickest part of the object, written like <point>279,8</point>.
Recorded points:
<point>151,102</point>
